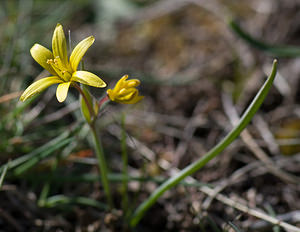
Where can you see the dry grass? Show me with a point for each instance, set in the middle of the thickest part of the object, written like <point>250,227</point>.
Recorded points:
<point>197,77</point>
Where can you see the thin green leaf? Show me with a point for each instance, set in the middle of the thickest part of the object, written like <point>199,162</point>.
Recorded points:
<point>102,165</point>
<point>233,226</point>
<point>213,224</point>
<point>195,166</point>
<point>47,185</point>
<point>16,162</point>
<point>59,200</point>
<point>44,193</point>
<point>113,177</point>
<point>3,175</point>
<point>37,158</point>
<point>277,50</point>
<point>273,214</point>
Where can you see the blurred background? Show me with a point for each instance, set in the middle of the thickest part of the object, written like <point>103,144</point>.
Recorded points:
<point>199,70</point>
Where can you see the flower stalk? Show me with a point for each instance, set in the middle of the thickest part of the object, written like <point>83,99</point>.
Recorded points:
<point>102,165</point>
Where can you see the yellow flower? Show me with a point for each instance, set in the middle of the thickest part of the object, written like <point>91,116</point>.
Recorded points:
<point>125,91</point>
<point>64,70</point>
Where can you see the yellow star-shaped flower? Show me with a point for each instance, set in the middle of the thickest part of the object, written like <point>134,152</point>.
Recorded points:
<point>64,70</point>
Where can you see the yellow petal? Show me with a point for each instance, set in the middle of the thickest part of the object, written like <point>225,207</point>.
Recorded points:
<point>134,100</point>
<point>121,83</point>
<point>79,51</point>
<point>41,54</point>
<point>88,78</point>
<point>133,83</point>
<point>126,92</point>
<point>59,45</point>
<point>126,97</point>
<point>62,91</point>
<point>111,94</point>
<point>39,86</point>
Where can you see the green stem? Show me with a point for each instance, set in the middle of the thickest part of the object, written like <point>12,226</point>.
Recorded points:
<point>103,101</point>
<point>192,168</point>
<point>46,188</point>
<point>99,151</point>
<point>125,169</point>
<point>102,165</point>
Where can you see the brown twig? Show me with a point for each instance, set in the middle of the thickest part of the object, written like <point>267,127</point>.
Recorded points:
<point>10,96</point>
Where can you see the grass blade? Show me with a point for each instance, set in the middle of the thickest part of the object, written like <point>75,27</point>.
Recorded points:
<point>233,226</point>
<point>34,160</point>
<point>277,50</point>
<point>59,200</point>
<point>3,175</point>
<point>16,162</point>
<point>192,168</point>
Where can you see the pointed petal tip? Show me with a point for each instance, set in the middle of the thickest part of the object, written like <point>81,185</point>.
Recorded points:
<point>22,98</point>
<point>92,38</point>
<point>79,51</point>
<point>60,100</point>
<point>88,78</point>
<point>101,84</point>
<point>59,45</point>
<point>58,27</point>
<point>137,99</point>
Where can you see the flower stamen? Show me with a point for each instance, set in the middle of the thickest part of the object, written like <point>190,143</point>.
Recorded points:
<point>59,68</point>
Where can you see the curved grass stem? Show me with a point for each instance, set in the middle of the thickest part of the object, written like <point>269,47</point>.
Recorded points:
<point>192,168</point>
